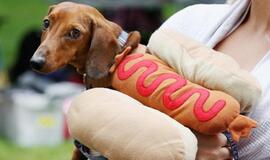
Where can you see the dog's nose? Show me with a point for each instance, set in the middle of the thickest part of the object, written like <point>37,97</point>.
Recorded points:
<point>37,63</point>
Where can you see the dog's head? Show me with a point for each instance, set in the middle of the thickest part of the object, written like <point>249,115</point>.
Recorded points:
<point>79,35</point>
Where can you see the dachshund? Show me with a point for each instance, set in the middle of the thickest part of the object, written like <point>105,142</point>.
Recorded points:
<point>79,35</point>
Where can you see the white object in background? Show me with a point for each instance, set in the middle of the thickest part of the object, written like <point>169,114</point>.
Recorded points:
<point>32,120</point>
<point>4,102</point>
<point>35,119</point>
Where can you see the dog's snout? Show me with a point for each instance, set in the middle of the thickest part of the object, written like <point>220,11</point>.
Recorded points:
<point>37,63</point>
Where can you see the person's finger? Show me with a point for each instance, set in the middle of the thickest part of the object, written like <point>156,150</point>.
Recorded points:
<point>213,141</point>
<point>221,140</point>
<point>225,153</point>
<point>217,141</point>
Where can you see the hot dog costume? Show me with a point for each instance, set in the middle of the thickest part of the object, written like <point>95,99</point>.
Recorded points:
<point>205,96</point>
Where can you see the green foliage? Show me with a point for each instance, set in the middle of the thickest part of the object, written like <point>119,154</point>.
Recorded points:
<point>10,151</point>
<point>170,8</point>
<point>18,17</point>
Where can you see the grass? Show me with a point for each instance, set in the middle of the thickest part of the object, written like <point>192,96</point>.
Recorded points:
<point>9,151</point>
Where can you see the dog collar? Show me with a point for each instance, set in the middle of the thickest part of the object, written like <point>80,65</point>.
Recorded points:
<point>122,39</point>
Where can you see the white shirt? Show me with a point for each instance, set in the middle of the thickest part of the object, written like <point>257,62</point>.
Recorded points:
<point>210,24</point>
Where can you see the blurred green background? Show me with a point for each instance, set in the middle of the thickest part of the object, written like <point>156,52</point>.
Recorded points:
<point>9,151</point>
<point>17,17</point>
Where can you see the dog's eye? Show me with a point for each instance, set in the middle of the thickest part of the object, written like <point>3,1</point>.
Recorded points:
<point>74,33</point>
<point>46,24</point>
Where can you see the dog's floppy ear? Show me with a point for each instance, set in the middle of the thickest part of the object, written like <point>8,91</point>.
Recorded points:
<point>133,40</point>
<point>103,48</point>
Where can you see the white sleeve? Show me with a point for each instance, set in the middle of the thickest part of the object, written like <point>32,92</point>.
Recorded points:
<point>198,21</point>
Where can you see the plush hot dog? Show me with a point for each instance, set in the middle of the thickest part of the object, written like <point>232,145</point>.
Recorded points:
<point>119,128</point>
<point>205,66</point>
<point>152,82</point>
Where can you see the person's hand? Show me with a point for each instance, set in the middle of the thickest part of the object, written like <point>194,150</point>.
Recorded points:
<point>212,147</point>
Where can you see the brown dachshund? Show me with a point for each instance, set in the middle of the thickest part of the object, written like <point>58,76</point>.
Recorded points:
<point>79,35</point>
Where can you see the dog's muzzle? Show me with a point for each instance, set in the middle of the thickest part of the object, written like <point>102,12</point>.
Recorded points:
<point>37,63</point>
